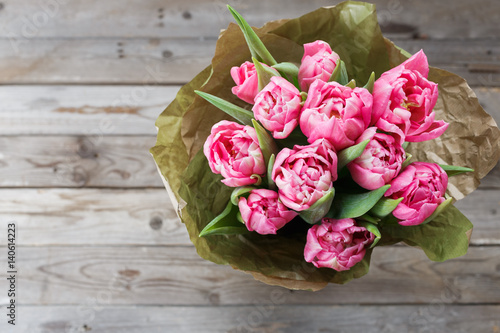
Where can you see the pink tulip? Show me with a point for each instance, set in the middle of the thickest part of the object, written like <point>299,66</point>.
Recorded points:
<point>379,163</point>
<point>233,151</point>
<point>247,81</point>
<point>263,212</point>
<point>403,101</point>
<point>318,62</point>
<point>422,187</point>
<point>277,107</point>
<point>335,112</point>
<point>305,173</point>
<point>337,244</point>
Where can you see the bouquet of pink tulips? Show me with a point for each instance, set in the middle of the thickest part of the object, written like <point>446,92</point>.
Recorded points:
<point>295,162</point>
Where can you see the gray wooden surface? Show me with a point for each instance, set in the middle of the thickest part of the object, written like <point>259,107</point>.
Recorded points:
<point>100,247</point>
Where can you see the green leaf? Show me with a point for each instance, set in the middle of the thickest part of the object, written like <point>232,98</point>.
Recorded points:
<point>257,48</point>
<point>445,237</point>
<point>243,116</point>
<point>266,142</point>
<point>238,192</point>
<point>350,154</point>
<point>264,74</point>
<point>403,51</point>
<point>439,210</point>
<point>225,224</point>
<point>351,84</point>
<point>453,170</point>
<point>319,209</point>
<point>385,206</point>
<point>340,74</point>
<point>354,205</point>
<point>287,68</point>
<point>371,80</point>
<point>371,228</point>
<point>407,161</point>
<point>270,165</point>
<point>369,218</point>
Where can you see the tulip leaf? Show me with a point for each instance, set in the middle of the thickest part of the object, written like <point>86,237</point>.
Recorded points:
<point>266,142</point>
<point>243,116</point>
<point>270,165</point>
<point>453,170</point>
<point>264,74</point>
<point>445,237</point>
<point>405,145</point>
<point>348,155</point>
<point>407,161</point>
<point>226,223</point>
<point>319,209</point>
<point>369,218</point>
<point>340,74</point>
<point>287,68</point>
<point>385,206</point>
<point>238,192</point>
<point>348,205</point>
<point>371,228</point>
<point>438,210</point>
<point>257,48</point>
<point>351,84</point>
<point>369,85</point>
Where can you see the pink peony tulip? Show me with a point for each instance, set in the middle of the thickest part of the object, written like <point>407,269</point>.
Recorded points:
<point>422,187</point>
<point>318,62</point>
<point>337,244</point>
<point>263,212</point>
<point>335,112</point>
<point>403,101</point>
<point>233,151</point>
<point>247,81</point>
<point>379,163</point>
<point>305,173</point>
<point>277,107</point>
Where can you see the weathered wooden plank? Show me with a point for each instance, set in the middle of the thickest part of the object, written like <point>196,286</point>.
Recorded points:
<point>177,276</point>
<point>108,110</point>
<point>84,217</point>
<point>173,18</point>
<point>271,317</point>
<point>92,161</point>
<point>173,61</point>
<point>82,110</point>
<point>92,217</point>
<point>146,217</point>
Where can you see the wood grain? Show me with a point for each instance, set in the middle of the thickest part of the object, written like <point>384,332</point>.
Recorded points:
<point>85,110</point>
<point>157,18</point>
<point>78,217</point>
<point>92,217</point>
<point>175,61</point>
<point>82,110</point>
<point>266,318</point>
<point>172,275</point>
<point>76,161</point>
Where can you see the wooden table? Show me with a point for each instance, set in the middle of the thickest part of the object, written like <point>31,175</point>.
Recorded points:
<point>100,248</point>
